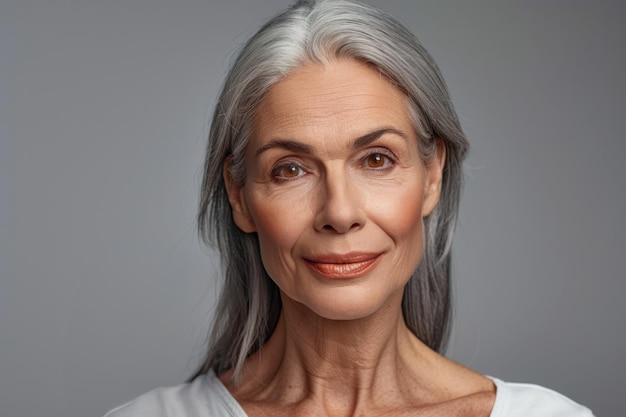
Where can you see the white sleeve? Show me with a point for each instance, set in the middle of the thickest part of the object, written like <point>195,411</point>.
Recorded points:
<point>522,400</point>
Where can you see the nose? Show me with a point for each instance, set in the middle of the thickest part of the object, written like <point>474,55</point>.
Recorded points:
<point>340,205</point>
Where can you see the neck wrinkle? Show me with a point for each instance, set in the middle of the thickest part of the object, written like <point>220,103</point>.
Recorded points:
<point>371,366</point>
<point>341,364</point>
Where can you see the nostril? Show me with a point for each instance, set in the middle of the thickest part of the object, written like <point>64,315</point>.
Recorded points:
<point>331,228</point>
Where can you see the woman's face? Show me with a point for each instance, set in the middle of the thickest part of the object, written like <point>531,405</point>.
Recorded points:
<point>336,190</point>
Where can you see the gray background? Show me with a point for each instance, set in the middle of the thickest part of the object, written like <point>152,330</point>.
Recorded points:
<point>106,293</point>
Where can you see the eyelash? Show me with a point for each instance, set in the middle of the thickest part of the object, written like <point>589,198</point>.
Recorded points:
<point>389,161</point>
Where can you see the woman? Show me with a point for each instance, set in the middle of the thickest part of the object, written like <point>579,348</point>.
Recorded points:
<point>331,188</point>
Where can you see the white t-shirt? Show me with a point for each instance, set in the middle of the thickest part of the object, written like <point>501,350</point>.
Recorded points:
<point>206,396</point>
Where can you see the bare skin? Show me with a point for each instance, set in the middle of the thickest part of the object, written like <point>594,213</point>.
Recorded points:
<point>370,367</point>
<point>333,172</point>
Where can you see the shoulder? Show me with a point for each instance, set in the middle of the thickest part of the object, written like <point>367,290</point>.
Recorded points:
<point>517,400</point>
<point>205,396</point>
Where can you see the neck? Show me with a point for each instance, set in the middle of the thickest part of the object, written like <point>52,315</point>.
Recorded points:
<point>342,362</point>
<point>334,349</point>
<point>315,366</point>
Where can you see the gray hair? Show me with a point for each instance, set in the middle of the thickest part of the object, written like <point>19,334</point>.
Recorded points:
<point>316,31</point>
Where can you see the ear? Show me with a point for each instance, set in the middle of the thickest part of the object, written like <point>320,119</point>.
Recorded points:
<point>236,198</point>
<point>434,177</point>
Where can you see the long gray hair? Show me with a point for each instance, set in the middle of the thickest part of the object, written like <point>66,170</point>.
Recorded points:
<point>315,31</point>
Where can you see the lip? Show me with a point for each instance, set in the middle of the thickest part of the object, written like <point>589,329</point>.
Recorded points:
<point>344,266</point>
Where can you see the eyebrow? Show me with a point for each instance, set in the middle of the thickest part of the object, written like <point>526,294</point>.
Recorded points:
<point>299,147</point>
<point>368,138</point>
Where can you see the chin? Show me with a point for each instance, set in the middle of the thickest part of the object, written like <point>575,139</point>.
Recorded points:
<point>350,305</point>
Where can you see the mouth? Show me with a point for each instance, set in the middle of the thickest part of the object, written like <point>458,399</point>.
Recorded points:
<point>351,265</point>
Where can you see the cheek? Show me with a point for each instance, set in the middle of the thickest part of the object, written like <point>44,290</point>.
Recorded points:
<point>276,222</point>
<point>402,213</point>
<point>278,227</point>
<point>401,220</point>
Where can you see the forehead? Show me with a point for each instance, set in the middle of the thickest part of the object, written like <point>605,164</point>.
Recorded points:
<point>341,97</point>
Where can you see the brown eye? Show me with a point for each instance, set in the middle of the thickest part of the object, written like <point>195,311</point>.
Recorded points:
<point>288,171</point>
<point>376,160</point>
